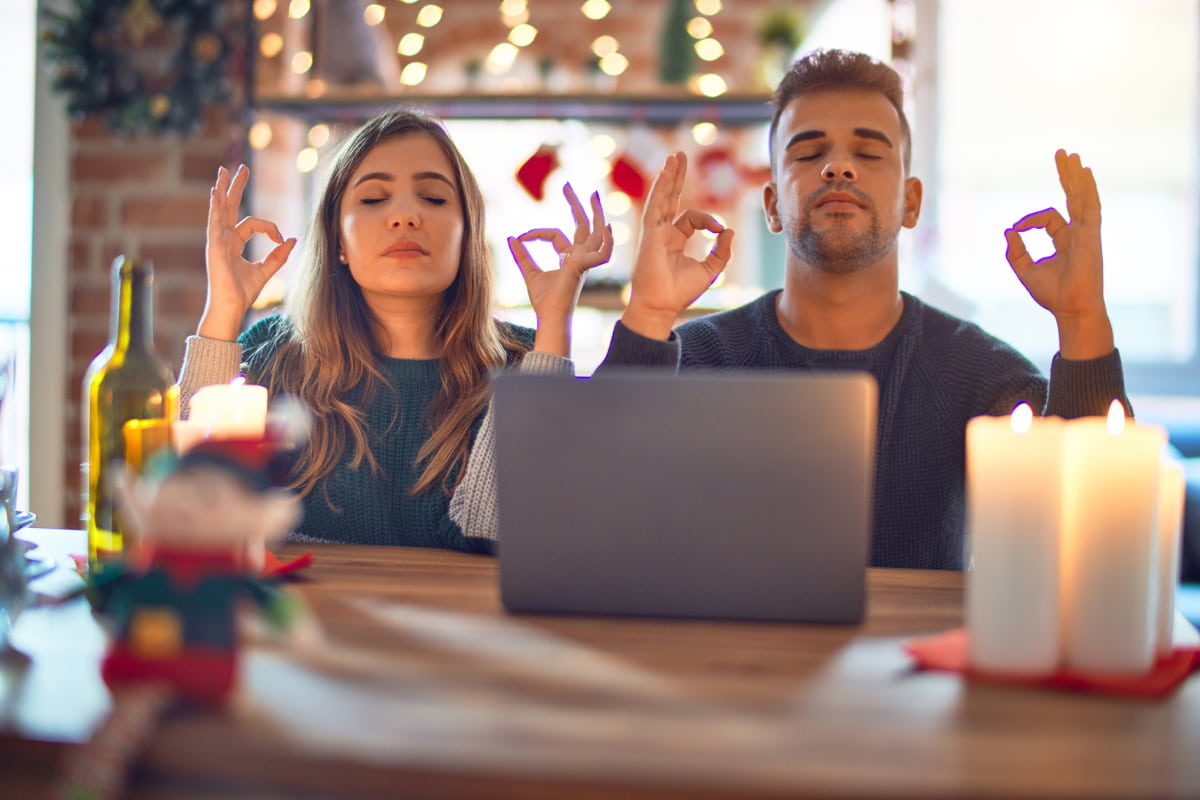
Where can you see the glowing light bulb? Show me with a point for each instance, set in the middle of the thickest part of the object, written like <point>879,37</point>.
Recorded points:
<point>429,16</point>
<point>705,133</point>
<point>709,49</point>
<point>699,28</point>
<point>306,159</point>
<point>614,64</point>
<point>410,44</point>
<point>259,135</point>
<point>523,35</point>
<point>374,14</point>
<point>302,62</point>
<point>604,46</point>
<point>264,9</point>
<point>318,135</point>
<point>413,73</point>
<point>595,9</point>
<point>270,45</point>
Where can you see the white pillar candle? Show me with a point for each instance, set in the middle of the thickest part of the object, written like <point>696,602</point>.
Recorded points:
<point>1110,485</point>
<point>187,433</point>
<point>1172,485</point>
<point>231,411</point>
<point>1013,517</point>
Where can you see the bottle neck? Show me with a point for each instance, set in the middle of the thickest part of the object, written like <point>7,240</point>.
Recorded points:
<point>133,317</point>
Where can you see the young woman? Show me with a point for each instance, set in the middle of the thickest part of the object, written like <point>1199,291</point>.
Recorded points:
<point>388,337</point>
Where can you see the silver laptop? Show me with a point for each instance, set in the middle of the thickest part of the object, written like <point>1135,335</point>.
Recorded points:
<point>739,495</point>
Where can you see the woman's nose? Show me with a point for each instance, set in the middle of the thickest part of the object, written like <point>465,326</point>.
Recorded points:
<point>404,217</point>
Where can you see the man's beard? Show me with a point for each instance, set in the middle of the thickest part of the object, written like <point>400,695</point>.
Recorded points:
<point>839,250</point>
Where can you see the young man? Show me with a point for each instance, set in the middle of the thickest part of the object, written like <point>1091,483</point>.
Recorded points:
<point>840,192</point>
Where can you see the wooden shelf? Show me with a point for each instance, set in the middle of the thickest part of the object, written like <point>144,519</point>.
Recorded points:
<point>651,109</point>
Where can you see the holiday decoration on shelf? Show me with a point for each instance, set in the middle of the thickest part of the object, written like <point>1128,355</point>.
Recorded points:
<point>633,167</point>
<point>720,176</point>
<point>143,65</point>
<point>627,176</point>
<point>677,55</point>
<point>533,173</point>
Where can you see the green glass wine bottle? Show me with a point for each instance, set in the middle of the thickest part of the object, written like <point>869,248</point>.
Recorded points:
<point>128,405</point>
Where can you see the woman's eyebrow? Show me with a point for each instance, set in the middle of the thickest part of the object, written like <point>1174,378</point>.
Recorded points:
<point>387,176</point>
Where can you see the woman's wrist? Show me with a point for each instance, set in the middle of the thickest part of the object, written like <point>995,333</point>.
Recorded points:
<point>215,324</point>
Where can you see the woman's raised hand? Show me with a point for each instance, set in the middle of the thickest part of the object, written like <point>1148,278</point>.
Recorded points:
<point>234,283</point>
<point>553,293</point>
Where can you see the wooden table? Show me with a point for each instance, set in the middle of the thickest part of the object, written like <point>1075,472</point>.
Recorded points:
<point>420,685</point>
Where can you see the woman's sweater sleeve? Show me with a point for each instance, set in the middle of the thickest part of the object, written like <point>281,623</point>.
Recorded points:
<point>205,362</point>
<point>473,504</point>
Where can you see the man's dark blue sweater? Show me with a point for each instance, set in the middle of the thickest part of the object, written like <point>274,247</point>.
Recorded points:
<point>935,372</point>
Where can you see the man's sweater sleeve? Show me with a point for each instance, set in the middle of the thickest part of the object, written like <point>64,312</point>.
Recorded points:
<point>629,349</point>
<point>1086,388</point>
<point>206,362</point>
<point>473,504</point>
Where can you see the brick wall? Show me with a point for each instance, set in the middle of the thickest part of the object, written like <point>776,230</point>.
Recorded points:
<point>144,196</point>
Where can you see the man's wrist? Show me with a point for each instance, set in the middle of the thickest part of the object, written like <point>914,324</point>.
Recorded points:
<point>651,323</point>
<point>1085,336</point>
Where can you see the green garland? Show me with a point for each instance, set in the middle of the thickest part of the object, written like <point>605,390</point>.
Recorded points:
<point>144,65</point>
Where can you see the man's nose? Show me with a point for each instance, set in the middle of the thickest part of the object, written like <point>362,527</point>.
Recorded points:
<point>839,169</point>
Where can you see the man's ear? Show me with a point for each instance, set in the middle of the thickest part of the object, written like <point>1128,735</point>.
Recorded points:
<point>770,201</point>
<point>913,192</point>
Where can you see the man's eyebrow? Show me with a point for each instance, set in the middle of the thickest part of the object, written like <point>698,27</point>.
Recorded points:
<point>804,136</point>
<point>387,176</point>
<point>871,133</point>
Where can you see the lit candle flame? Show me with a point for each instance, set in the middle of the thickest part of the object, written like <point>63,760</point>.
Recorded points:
<point>1022,418</point>
<point>1116,418</point>
<point>238,380</point>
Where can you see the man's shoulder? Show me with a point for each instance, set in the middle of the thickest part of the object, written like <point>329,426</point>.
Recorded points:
<point>754,315</point>
<point>729,338</point>
<point>937,327</point>
<point>952,347</point>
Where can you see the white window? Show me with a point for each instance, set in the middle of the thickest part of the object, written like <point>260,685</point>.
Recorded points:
<point>1115,81</point>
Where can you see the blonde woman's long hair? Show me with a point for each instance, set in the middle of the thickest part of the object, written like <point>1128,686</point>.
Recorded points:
<point>335,337</point>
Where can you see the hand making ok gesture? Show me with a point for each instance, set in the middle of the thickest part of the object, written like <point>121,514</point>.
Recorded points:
<point>553,293</point>
<point>666,280</point>
<point>1070,283</point>
<point>234,282</point>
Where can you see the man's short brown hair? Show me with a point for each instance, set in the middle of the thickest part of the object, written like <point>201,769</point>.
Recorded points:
<point>832,70</point>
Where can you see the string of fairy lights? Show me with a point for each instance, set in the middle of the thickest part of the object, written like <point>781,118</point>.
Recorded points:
<point>515,33</point>
<point>515,17</point>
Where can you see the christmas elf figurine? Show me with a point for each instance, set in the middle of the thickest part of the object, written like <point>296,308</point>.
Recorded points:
<point>172,604</point>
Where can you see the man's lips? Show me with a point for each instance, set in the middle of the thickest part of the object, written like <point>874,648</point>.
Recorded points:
<point>839,200</point>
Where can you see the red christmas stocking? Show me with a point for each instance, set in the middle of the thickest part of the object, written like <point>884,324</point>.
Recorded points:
<point>533,173</point>
<point>627,177</point>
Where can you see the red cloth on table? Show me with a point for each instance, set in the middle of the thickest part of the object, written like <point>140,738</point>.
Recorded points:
<point>948,652</point>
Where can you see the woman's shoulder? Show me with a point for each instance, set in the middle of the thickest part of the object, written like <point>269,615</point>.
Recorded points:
<point>522,334</point>
<point>269,330</point>
<point>517,340</point>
